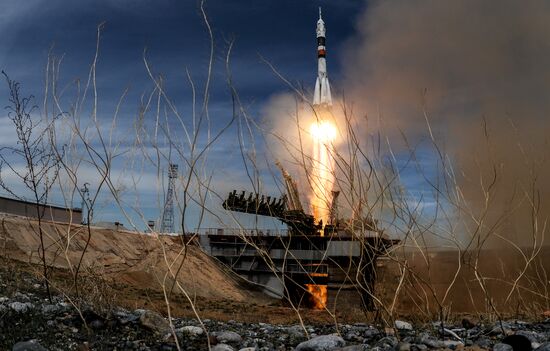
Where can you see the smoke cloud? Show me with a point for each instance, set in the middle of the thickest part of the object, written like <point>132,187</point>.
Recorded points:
<point>479,69</point>
<point>287,120</point>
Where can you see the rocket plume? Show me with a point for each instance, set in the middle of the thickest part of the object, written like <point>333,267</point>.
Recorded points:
<point>313,138</point>
<point>323,133</point>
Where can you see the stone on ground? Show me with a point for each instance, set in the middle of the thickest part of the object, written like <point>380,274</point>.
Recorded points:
<point>227,336</point>
<point>502,347</point>
<point>222,347</point>
<point>402,325</point>
<point>321,343</point>
<point>31,345</point>
<point>191,330</point>
<point>154,322</point>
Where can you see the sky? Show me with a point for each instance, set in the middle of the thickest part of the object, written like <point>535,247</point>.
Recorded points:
<point>454,92</point>
<point>175,39</point>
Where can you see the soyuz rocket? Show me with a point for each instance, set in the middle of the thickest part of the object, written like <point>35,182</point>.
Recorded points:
<point>321,96</point>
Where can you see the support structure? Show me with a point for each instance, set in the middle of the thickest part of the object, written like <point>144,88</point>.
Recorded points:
<point>87,211</point>
<point>167,225</point>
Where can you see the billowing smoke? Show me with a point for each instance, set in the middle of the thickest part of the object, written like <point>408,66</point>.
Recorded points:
<point>288,120</point>
<point>480,70</point>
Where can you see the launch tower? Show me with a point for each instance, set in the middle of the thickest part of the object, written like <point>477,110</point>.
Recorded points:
<point>321,258</point>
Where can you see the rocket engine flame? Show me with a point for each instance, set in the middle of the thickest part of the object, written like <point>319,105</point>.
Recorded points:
<point>323,134</point>
<point>318,295</point>
<point>323,131</point>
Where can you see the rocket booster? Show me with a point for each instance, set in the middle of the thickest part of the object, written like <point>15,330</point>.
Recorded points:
<point>322,94</point>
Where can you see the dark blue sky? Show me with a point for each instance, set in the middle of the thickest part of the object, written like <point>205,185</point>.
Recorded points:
<point>176,39</point>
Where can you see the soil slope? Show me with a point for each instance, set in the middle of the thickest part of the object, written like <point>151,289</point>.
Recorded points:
<point>139,260</point>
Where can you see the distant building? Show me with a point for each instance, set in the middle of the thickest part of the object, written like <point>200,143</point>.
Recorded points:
<point>47,212</point>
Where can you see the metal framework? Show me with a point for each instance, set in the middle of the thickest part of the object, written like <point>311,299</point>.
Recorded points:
<point>167,225</point>
<point>87,211</point>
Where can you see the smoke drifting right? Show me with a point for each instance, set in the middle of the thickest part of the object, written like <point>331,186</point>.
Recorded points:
<point>478,73</point>
<point>465,82</point>
<point>456,94</point>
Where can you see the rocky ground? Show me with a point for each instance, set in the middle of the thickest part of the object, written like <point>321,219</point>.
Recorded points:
<point>29,321</point>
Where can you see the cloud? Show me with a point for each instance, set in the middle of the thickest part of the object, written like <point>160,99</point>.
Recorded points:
<point>8,137</point>
<point>13,10</point>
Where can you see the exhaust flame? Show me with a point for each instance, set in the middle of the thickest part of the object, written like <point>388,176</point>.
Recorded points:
<point>323,134</point>
<point>318,295</point>
<point>323,131</point>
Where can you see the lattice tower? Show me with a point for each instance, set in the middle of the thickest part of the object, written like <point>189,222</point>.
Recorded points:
<point>167,225</point>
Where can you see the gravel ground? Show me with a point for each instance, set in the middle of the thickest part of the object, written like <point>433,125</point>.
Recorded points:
<point>29,321</point>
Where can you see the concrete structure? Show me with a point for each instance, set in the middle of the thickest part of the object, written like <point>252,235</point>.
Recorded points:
<point>285,263</point>
<point>47,212</point>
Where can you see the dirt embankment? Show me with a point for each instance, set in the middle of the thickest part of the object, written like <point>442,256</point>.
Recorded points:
<point>137,260</point>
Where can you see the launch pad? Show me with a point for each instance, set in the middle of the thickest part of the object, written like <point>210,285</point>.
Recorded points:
<point>320,255</point>
<point>308,263</point>
<point>287,264</point>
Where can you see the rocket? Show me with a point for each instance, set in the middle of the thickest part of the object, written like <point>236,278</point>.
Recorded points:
<point>321,96</point>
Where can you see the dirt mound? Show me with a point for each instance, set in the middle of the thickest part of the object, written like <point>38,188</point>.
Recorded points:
<point>137,259</point>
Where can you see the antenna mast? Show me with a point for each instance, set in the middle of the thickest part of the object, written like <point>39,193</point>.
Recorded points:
<point>167,225</point>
